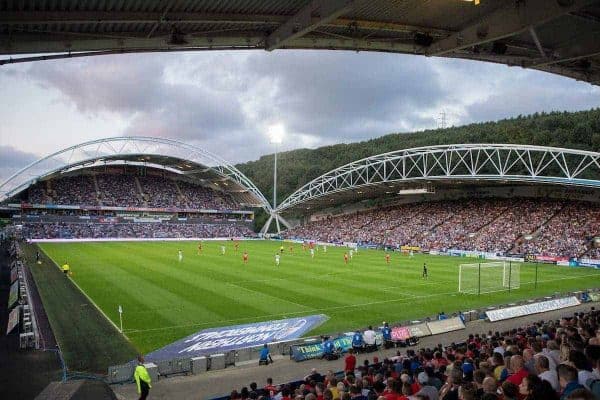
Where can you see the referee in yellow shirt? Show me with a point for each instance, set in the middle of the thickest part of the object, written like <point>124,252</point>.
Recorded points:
<point>66,268</point>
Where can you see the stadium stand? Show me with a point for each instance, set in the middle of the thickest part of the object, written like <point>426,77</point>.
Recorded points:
<point>126,190</point>
<point>132,230</point>
<point>524,226</point>
<point>542,360</point>
<point>128,205</point>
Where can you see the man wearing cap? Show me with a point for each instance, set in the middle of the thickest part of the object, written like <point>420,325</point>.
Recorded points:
<point>426,388</point>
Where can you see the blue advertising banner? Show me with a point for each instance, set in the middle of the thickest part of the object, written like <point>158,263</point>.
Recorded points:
<point>315,350</point>
<point>220,340</point>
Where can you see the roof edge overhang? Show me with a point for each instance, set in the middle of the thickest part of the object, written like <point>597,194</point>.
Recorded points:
<point>118,149</point>
<point>470,163</point>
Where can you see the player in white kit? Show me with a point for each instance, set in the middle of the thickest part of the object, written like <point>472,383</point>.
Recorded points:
<point>277,258</point>
<point>351,253</point>
<point>312,253</point>
<point>180,255</point>
<point>222,250</point>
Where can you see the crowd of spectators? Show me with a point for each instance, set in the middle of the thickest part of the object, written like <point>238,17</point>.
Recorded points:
<point>71,190</point>
<point>503,232</point>
<point>121,190</point>
<point>133,230</point>
<point>568,232</point>
<point>548,227</point>
<point>545,360</point>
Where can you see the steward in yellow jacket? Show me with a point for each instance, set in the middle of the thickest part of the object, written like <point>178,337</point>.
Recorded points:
<point>142,379</point>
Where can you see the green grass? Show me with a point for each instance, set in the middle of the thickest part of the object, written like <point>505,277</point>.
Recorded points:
<point>87,340</point>
<point>164,300</point>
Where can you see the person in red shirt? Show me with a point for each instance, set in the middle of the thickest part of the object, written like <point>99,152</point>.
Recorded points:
<point>517,365</point>
<point>350,361</point>
<point>245,257</point>
<point>269,386</point>
<point>346,258</point>
<point>387,258</point>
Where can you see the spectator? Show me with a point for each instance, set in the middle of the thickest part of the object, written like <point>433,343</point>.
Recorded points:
<point>568,379</point>
<point>426,389</point>
<point>542,368</point>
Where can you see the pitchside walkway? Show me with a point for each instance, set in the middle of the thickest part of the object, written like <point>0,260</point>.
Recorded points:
<point>219,383</point>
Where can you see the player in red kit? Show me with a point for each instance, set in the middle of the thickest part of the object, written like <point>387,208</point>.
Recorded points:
<point>387,258</point>
<point>245,257</point>
<point>346,258</point>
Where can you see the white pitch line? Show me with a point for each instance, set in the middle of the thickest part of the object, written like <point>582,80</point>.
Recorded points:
<point>269,295</point>
<point>398,300</point>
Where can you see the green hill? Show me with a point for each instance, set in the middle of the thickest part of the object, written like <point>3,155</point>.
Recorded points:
<point>576,130</point>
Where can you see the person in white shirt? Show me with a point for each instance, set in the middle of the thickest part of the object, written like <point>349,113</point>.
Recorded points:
<point>277,257</point>
<point>312,253</point>
<point>369,338</point>
<point>351,253</point>
<point>222,250</point>
<point>542,367</point>
<point>180,255</point>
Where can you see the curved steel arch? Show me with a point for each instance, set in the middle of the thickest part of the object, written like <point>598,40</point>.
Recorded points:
<point>504,162</point>
<point>88,153</point>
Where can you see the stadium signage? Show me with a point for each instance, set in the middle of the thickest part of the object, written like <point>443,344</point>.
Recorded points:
<point>585,262</point>
<point>13,319</point>
<point>406,332</point>
<point>445,325</point>
<point>316,350</point>
<point>223,339</point>
<point>419,330</point>
<point>13,295</point>
<point>401,333</point>
<point>533,308</point>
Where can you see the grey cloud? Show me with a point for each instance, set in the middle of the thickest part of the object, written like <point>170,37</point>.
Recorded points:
<point>15,158</point>
<point>12,160</point>
<point>224,101</point>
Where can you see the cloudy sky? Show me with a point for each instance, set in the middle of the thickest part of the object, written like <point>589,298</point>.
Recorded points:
<point>226,102</point>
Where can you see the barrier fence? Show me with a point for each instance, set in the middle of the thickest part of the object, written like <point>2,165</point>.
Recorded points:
<point>311,347</point>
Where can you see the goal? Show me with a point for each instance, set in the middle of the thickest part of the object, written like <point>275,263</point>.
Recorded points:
<point>489,277</point>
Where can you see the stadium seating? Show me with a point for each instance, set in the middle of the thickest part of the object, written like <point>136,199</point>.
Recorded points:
<point>133,230</point>
<point>119,190</point>
<point>525,226</point>
<point>522,360</point>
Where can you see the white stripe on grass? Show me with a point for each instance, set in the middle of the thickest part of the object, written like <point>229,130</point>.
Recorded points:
<point>334,308</point>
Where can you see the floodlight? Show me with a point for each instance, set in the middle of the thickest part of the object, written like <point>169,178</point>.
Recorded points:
<point>276,133</point>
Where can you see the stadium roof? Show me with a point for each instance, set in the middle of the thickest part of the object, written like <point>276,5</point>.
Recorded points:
<point>557,36</point>
<point>448,165</point>
<point>176,157</point>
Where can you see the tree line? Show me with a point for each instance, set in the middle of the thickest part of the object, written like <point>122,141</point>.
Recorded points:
<point>574,130</point>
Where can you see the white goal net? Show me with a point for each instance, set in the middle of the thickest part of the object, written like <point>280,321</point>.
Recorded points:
<point>489,277</point>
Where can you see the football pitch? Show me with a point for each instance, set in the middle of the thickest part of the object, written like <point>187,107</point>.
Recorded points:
<point>164,300</point>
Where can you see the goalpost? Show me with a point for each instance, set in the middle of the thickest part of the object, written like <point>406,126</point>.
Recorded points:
<point>489,277</point>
